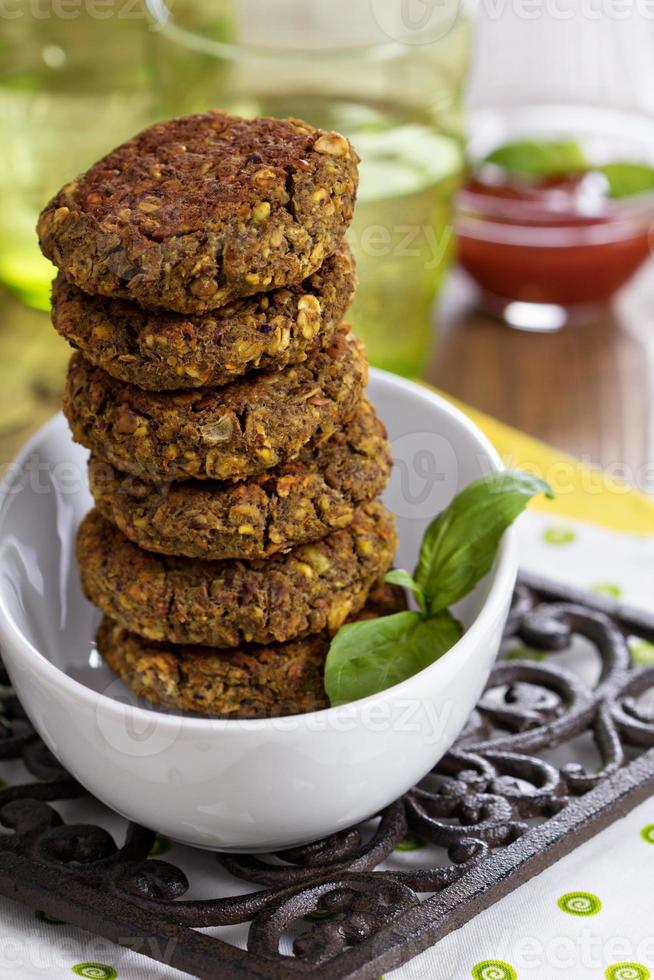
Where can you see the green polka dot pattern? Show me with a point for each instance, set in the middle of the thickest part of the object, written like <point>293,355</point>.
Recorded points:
<point>642,652</point>
<point>627,971</point>
<point>558,536</point>
<point>162,845</point>
<point>607,588</point>
<point>410,843</point>
<point>525,653</point>
<point>579,903</point>
<point>493,970</point>
<point>647,833</point>
<point>95,971</point>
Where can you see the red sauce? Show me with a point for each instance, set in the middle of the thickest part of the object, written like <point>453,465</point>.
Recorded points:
<point>558,241</point>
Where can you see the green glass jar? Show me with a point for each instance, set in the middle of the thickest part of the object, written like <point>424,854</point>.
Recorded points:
<point>72,84</point>
<point>391,84</point>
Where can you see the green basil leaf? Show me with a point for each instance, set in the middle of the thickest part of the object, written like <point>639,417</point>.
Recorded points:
<point>460,545</point>
<point>369,656</point>
<point>398,576</point>
<point>539,158</point>
<point>627,179</point>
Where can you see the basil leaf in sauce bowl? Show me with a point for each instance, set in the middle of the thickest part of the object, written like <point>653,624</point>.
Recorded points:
<point>539,158</point>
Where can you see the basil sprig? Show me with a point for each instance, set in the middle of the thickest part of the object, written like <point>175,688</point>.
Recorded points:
<point>539,158</point>
<point>558,158</point>
<point>628,179</point>
<point>458,549</point>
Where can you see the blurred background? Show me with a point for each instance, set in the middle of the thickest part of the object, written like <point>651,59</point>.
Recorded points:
<point>504,229</point>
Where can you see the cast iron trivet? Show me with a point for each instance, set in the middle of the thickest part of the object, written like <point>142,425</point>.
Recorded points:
<point>365,922</point>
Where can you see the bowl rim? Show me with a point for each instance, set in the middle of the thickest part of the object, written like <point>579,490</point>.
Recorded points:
<point>477,219</point>
<point>503,575</point>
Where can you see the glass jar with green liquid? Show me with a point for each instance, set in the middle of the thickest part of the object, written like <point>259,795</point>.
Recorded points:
<point>72,84</point>
<point>388,76</point>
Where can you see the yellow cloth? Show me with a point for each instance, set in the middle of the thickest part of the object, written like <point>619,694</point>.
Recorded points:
<point>582,492</point>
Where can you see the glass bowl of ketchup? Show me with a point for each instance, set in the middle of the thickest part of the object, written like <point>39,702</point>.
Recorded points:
<point>558,211</point>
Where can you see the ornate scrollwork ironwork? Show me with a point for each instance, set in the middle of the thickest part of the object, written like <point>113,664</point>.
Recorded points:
<point>343,906</point>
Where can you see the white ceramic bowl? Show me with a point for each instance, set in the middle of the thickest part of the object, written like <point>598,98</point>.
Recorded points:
<point>246,784</point>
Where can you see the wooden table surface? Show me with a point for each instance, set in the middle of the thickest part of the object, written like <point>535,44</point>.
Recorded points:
<point>585,389</point>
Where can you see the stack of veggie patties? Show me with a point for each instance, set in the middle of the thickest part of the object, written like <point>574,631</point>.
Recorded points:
<point>235,462</point>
